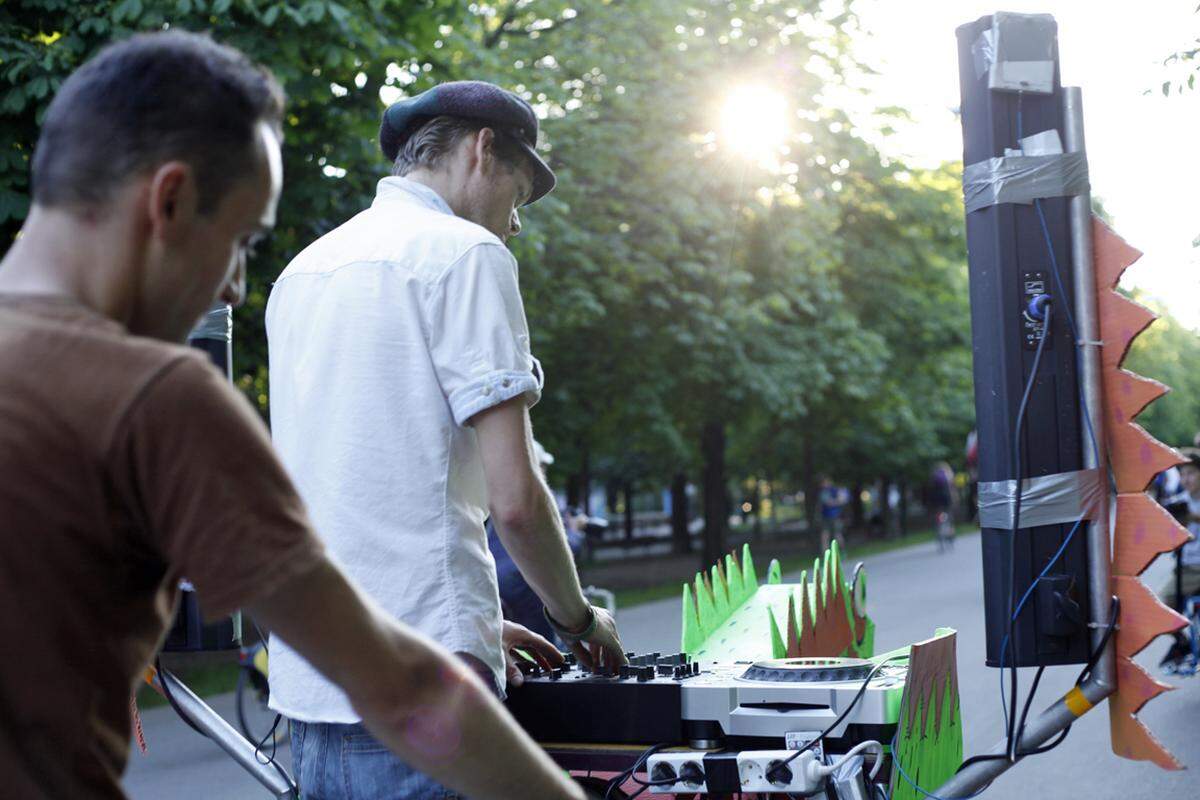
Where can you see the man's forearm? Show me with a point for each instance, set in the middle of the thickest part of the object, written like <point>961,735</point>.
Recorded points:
<point>539,548</point>
<point>458,718</point>
<point>414,696</point>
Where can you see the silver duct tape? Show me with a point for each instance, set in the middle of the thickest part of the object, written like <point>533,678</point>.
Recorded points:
<point>217,323</point>
<point>1064,497</point>
<point>1017,53</point>
<point>1023,179</point>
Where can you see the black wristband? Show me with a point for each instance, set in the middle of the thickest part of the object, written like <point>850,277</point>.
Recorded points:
<point>568,635</point>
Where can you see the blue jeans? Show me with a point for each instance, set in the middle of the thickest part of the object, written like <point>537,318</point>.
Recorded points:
<point>345,762</point>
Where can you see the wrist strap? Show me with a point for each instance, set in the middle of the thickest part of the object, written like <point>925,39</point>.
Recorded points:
<point>569,635</point>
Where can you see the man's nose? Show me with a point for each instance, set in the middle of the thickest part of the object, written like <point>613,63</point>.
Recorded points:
<point>514,223</point>
<point>234,291</point>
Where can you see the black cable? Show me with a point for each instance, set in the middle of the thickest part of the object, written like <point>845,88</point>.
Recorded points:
<point>1016,524</point>
<point>1037,679</point>
<point>1093,658</point>
<point>271,758</point>
<point>166,692</point>
<point>637,764</point>
<point>262,637</point>
<point>853,702</point>
<point>164,679</point>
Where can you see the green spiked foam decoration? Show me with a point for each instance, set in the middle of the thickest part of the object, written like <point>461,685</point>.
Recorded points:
<point>929,744</point>
<point>727,615</point>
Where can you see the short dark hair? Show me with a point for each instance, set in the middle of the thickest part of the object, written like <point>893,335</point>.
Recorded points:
<point>150,99</point>
<point>431,142</point>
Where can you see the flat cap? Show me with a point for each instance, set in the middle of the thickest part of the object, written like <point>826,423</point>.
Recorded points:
<point>476,100</point>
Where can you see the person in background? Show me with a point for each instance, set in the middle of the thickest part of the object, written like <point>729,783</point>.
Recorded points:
<point>1170,493</point>
<point>833,500</point>
<point>127,461</point>
<point>1188,556</point>
<point>939,499</point>
<point>971,453</point>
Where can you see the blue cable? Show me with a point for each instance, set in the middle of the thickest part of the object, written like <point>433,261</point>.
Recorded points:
<point>1049,564</point>
<point>1087,418</point>
<point>913,784</point>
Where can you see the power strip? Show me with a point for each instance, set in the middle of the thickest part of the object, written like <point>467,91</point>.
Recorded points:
<point>698,772</point>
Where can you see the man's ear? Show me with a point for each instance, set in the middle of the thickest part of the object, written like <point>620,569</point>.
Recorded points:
<point>485,142</point>
<point>171,201</point>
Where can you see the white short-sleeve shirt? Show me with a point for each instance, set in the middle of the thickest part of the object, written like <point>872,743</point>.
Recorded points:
<point>386,336</point>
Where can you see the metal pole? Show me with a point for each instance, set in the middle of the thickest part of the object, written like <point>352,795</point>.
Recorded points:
<point>1102,682</point>
<point>1091,386</point>
<point>228,739</point>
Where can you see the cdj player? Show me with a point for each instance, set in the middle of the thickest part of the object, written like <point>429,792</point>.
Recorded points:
<point>670,699</point>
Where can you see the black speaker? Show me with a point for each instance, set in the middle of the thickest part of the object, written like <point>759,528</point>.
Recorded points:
<point>1009,254</point>
<point>189,633</point>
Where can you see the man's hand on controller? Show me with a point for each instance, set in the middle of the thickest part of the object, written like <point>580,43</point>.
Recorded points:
<point>542,651</point>
<point>601,650</point>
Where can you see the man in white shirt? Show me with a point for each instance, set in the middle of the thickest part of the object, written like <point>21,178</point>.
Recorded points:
<point>401,376</point>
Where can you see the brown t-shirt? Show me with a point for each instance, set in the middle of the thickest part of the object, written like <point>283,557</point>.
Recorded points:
<point>125,464</point>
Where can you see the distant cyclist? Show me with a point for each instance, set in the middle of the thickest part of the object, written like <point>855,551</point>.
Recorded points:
<point>940,500</point>
<point>833,500</point>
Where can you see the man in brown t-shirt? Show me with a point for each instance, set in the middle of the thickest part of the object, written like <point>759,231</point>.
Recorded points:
<point>126,461</point>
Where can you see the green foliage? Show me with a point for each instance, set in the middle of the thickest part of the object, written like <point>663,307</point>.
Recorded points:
<point>1169,353</point>
<point>817,306</point>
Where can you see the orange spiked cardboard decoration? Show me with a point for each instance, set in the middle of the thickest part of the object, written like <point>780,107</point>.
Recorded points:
<point>1142,530</point>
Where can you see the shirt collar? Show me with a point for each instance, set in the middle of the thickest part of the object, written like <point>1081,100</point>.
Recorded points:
<point>396,188</point>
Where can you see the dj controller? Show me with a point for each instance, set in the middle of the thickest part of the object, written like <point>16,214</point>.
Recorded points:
<point>721,711</point>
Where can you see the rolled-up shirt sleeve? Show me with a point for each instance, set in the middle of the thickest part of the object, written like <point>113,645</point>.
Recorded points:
<point>478,336</point>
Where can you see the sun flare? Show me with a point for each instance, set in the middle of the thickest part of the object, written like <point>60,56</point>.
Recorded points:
<point>754,121</point>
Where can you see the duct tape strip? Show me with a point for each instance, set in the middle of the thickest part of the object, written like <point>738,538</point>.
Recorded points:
<point>1023,179</point>
<point>1047,500</point>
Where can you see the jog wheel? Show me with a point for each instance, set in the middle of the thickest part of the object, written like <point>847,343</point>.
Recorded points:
<point>808,670</point>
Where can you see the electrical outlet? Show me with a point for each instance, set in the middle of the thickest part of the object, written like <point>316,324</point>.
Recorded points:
<point>687,767</point>
<point>756,769</point>
<point>753,767</point>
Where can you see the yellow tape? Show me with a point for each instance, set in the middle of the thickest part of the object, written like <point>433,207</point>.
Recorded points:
<point>1076,702</point>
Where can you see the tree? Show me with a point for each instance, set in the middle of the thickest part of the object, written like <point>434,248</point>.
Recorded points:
<point>331,58</point>
<point>1169,353</point>
<point>696,312</point>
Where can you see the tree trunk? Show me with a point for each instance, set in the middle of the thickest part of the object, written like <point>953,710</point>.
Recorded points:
<point>774,495</point>
<point>756,510</point>
<point>885,508</point>
<point>612,495</point>
<point>812,491</point>
<point>573,490</point>
<point>627,491</point>
<point>680,536</point>
<point>712,449</point>
<point>903,507</point>
<point>585,480</point>
<point>857,512</point>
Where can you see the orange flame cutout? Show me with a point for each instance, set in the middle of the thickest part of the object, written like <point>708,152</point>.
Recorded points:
<point>1143,529</point>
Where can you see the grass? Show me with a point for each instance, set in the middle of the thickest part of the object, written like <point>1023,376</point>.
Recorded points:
<point>205,680</point>
<point>627,598</point>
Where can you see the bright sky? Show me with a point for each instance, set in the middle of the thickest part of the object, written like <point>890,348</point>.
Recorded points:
<point>1143,149</point>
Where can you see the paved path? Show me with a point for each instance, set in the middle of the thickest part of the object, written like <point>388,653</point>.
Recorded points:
<point>912,591</point>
